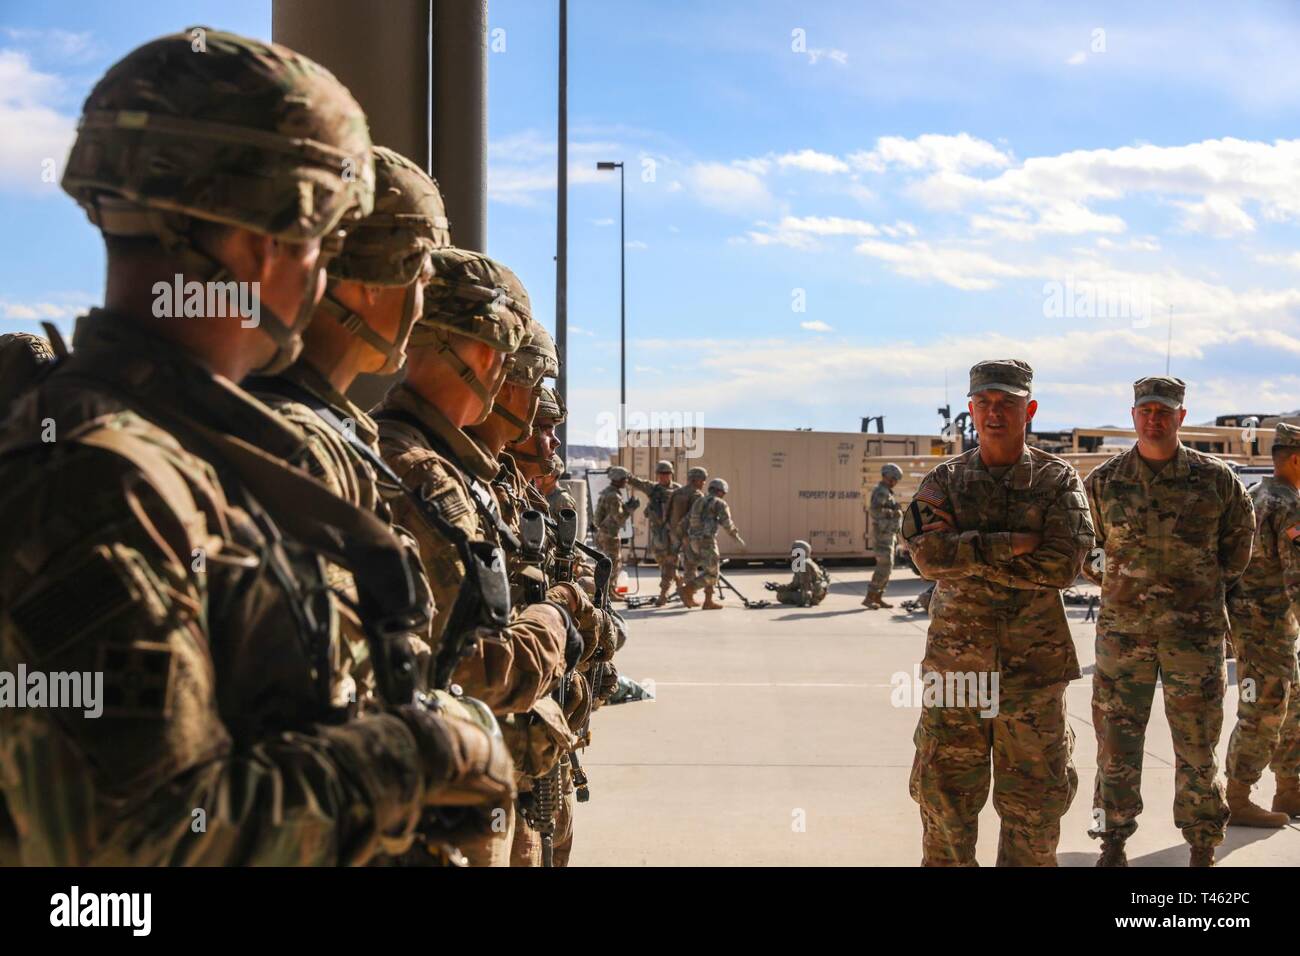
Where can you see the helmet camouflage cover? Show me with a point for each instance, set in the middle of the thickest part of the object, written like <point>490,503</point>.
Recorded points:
<point>390,247</point>
<point>664,466</point>
<point>550,407</point>
<point>617,473</point>
<point>473,296</point>
<point>891,471</point>
<point>717,484</point>
<point>214,126</point>
<point>697,473</point>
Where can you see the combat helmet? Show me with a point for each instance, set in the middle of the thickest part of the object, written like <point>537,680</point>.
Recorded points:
<point>801,546</point>
<point>534,360</point>
<point>891,471</point>
<point>390,247</point>
<point>208,125</point>
<point>664,467</point>
<point>617,473</point>
<point>551,407</point>
<point>477,297</point>
<point>697,473</point>
<point>716,485</point>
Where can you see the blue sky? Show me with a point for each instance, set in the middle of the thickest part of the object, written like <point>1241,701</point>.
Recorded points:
<point>829,207</point>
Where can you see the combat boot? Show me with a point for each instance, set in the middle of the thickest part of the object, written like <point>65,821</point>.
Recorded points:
<point>688,596</point>
<point>662,599</point>
<point>1112,853</point>
<point>1244,813</point>
<point>709,603</point>
<point>1287,798</point>
<point>880,600</point>
<point>872,600</point>
<point>1202,856</point>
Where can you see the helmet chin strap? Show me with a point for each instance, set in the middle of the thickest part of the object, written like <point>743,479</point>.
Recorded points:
<point>288,338</point>
<point>524,424</point>
<point>394,356</point>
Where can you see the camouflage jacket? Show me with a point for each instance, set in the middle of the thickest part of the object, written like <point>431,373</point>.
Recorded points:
<point>611,512</point>
<point>1264,604</point>
<point>811,584</point>
<point>512,670</point>
<point>1173,543</point>
<point>557,499</point>
<point>657,511</point>
<point>708,514</point>
<point>992,611</point>
<point>886,516</point>
<point>679,509</point>
<point>211,626</point>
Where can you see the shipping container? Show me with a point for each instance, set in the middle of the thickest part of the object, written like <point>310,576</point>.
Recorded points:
<point>784,485</point>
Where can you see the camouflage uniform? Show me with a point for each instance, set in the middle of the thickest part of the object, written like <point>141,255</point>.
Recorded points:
<point>610,515</point>
<point>512,671</point>
<point>807,588</point>
<point>661,545</point>
<point>996,613</point>
<point>1262,609</point>
<point>886,519</point>
<point>1173,541</point>
<point>679,516</point>
<point>709,513</point>
<point>181,574</point>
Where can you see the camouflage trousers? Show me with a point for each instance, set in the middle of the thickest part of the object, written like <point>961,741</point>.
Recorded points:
<point>527,847</point>
<point>683,550</point>
<point>1025,750</point>
<point>612,548</point>
<point>661,546</point>
<point>1268,719</point>
<point>492,848</point>
<point>1191,670</point>
<point>884,564</point>
<point>706,562</point>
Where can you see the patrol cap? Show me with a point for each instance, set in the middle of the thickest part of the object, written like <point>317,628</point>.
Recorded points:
<point>1159,388</point>
<point>1286,436</point>
<point>693,473</point>
<point>617,473</point>
<point>664,467</point>
<point>891,471</point>
<point>1004,375</point>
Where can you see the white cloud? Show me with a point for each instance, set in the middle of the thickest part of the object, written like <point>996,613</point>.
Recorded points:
<point>635,244</point>
<point>1077,58</point>
<point>800,232</point>
<point>812,161</point>
<point>816,326</point>
<point>602,222</point>
<point>959,267</point>
<point>835,56</point>
<point>930,151</point>
<point>1217,216</point>
<point>521,167</point>
<point>36,137</point>
<point>729,188</point>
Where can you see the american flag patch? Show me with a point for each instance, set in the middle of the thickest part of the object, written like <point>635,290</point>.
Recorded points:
<point>930,494</point>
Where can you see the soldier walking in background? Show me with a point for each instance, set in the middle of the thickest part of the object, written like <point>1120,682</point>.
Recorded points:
<point>611,514</point>
<point>679,515</point>
<point>1174,527</point>
<point>708,514</point>
<point>1001,529</point>
<point>886,519</point>
<point>659,492</point>
<point>1262,609</point>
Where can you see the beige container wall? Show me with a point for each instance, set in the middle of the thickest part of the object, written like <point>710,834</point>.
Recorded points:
<point>784,485</point>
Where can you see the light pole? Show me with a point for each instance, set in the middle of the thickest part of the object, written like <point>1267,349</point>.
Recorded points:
<point>622,299</point>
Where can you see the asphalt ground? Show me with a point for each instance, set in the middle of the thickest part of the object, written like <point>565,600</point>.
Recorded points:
<point>777,737</point>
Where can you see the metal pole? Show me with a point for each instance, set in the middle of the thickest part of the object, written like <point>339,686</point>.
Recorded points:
<point>460,49</point>
<point>562,224</point>
<point>622,305</point>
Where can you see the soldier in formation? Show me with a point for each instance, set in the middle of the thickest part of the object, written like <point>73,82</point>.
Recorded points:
<point>886,519</point>
<point>659,492</point>
<point>708,513</point>
<point>1262,610</point>
<point>193,574</point>
<point>303,613</point>
<point>810,583</point>
<point>1001,529</point>
<point>1174,529</point>
<point>679,515</point>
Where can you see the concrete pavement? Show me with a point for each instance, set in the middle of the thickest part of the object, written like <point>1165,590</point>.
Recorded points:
<point>774,741</point>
